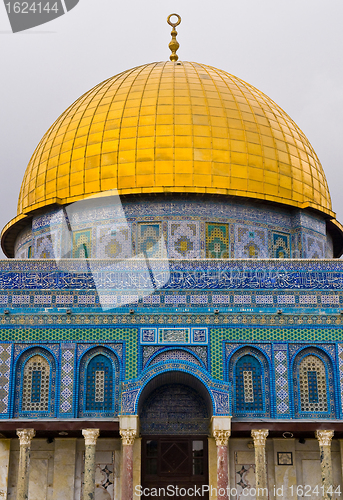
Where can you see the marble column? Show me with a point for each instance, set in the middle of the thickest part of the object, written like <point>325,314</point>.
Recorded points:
<point>129,430</point>
<point>128,439</point>
<point>324,437</point>
<point>5,446</point>
<point>91,436</point>
<point>222,439</point>
<point>259,436</point>
<point>25,438</point>
<point>221,431</point>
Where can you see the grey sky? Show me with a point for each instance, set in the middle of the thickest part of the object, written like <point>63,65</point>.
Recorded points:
<point>292,51</point>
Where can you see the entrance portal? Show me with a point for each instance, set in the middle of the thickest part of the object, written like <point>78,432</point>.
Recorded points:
<point>174,422</point>
<point>175,465</point>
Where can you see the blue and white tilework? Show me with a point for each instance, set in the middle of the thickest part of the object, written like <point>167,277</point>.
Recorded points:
<point>256,230</point>
<point>183,239</point>
<point>5,375</point>
<point>340,368</point>
<point>67,379</point>
<point>114,243</point>
<point>281,380</point>
<point>251,243</point>
<point>175,354</point>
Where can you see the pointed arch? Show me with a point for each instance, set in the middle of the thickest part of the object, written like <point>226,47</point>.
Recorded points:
<point>249,375</point>
<point>98,383</point>
<point>35,384</point>
<point>313,384</point>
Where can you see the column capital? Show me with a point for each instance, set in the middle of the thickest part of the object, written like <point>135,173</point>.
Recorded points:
<point>25,436</point>
<point>128,436</point>
<point>221,437</point>
<point>259,436</point>
<point>324,437</point>
<point>90,435</point>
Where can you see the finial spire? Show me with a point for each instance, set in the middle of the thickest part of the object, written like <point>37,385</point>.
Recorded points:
<point>174,44</point>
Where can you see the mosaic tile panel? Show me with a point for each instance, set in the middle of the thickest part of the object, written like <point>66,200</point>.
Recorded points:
<point>148,335</point>
<point>149,239</point>
<point>67,379</point>
<point>45,246</point>
<point>114,243</point>
<point>82,244</point>
<point>173,335</point>
<point>217,241</point>
<point>340,368</point>
<point>251,243</point>
<point>281,246</point>
<point>281,380</point>
<point>175,354</point>
<point>183,240</point>
<point>277,333</point>
<point>314,247</point>
<point>5,375</point>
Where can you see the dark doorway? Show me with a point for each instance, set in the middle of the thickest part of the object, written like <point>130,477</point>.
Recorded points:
<point>174,409</point>
<point>174,422</point>
<point>174,464</point>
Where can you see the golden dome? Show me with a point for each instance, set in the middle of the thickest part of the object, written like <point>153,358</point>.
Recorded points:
<point>174,127</point>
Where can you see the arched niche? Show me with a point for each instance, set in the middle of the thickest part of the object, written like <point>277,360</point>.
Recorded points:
<point>174,403</point>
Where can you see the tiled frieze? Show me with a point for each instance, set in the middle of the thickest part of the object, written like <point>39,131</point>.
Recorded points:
<point>192,228</point>
<point>226,300</point>
<point>214,274</point>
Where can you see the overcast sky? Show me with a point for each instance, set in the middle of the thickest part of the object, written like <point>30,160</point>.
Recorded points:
<point>291,51</point>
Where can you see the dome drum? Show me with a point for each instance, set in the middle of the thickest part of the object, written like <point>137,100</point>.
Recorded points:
<point>190,227</point>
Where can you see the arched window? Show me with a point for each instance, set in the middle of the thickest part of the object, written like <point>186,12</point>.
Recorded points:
<point>249,375</point>
<point>36,382</point>
<point>249,396</point>
<point>313,384</point>
<point>99,386</point>
<point>312,380</point>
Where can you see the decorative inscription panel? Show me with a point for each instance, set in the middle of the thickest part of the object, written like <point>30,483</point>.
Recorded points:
<point>174,335</point>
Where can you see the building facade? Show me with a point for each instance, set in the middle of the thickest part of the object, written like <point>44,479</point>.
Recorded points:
<point>171,312</point>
